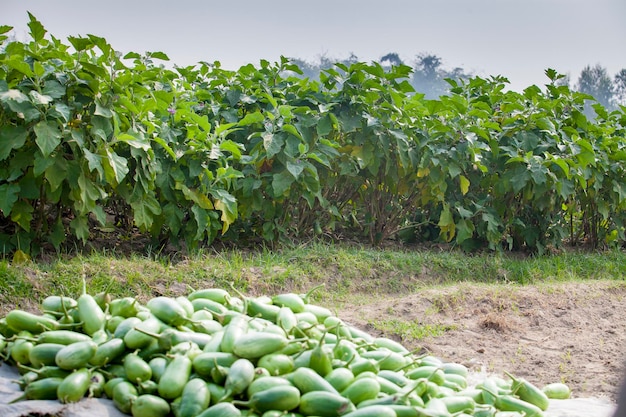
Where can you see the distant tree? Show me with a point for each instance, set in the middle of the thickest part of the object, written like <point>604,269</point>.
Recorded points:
<point>429,77</point>
<point>565,80</point>
<point>312,70</point>
<point>619,88</point>
<point>309,70</point>
<point>596,82</point>
<point>390,60</point>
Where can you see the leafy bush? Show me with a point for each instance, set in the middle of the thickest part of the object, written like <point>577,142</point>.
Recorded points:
<point>92,139</point>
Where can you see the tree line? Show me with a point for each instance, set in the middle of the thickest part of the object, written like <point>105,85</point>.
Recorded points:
<point>429,77</point>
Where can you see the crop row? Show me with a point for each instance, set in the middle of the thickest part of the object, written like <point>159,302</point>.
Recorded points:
<point>93,139</point>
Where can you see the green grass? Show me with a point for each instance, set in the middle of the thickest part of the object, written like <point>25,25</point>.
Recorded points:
<point>348,272</point>
<point>410,331</point>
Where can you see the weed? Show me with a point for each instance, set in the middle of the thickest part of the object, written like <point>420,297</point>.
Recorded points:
<point>410,330</point>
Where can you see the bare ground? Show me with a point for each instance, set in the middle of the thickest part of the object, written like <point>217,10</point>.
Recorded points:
<point>568,332</point>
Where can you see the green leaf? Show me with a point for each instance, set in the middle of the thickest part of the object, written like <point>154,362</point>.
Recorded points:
<point>350,122</point>
<point>145,207</point>
<point>173,218</point>
<point>464,230</point>
<point>251,118</point>
<point>56,174</point>
<point>202,121</point>
<point>37,30</point>
<point>8,196</point>
<point>272,143</point>
<point>94,162</point>
<point>586,156</point>
<point>196,196</point>
<point>132,55</point>
<point>446,223</point>
<point>454,169</point>
<point>53,89</point>
<point>295,168</point>
<point>291,129</point>
<point>225,129</point>
<point>22,214</point>
<point>285,111</point>
<point>13,95</point>
<point>519,178</point>
<point>203,222</point>
<point>227,204</point>
<point>38,69</point>
<point>17,63</point>
<point>5,29</point>
<point>135,140</point>
<point>30,187</point>
<point>228,173</point>
<point>80,227</point>
<point>233,147</point>
<point>40,98</point>
<point>11,137</point>
<point>89,193</point>
<point>103,111</point>
<point>79,43</point>
<point>465,183</point>
<point>324,125</point>
<point>281,182</point>
<point>116,167</point>
<point>48,136</point>
<point>60,111</point>
<point>158,55</point>
<point>167,147</point>
<point>41,163</point>
<point>56,234</point>
<point>463,212</point>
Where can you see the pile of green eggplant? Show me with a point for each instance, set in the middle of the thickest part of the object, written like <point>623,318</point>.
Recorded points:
<point>218,353</point>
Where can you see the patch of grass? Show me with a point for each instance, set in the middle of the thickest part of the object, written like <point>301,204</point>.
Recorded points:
<point>409,330</point>
<point>349,272</point>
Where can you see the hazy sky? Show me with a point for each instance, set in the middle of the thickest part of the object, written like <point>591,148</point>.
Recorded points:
<point>515,38</point>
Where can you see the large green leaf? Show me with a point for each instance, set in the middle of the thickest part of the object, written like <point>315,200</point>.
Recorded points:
<point>196,196</point>
<point>94,162</point>
<point>272,143</point>
<point>56,174</point>
<point>446,223</point>
<point>295,168</point>
<point>8,196</point>
<point>38,98</point>
<point>22,214</point>
<point>203,222</point>
<point>227,204</point>
<point>13,96</point>
<point>37,31</point>
<point>281,182</point>
<point>324,125</point>
<point>80,226</point>
<point>251,118</point>
<point>48,136</point>
<point>145,207</point>
<point>17,63</point>
<point>11,137</point>
<point>56,234</point>
<point>464,230</point>
<point>116,167</point>
<point>289,128</point>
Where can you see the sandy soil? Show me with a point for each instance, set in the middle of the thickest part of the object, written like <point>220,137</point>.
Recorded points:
<point>573,333</point>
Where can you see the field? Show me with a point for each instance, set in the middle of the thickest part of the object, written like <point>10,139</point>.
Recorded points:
<point>570,332</point>
<point>547,319</point>
<point>486,227</point>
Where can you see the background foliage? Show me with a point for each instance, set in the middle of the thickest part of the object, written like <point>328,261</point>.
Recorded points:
<point>91,140</point>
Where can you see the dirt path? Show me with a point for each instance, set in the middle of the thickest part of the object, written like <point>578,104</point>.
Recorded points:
<point>573,332</point>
